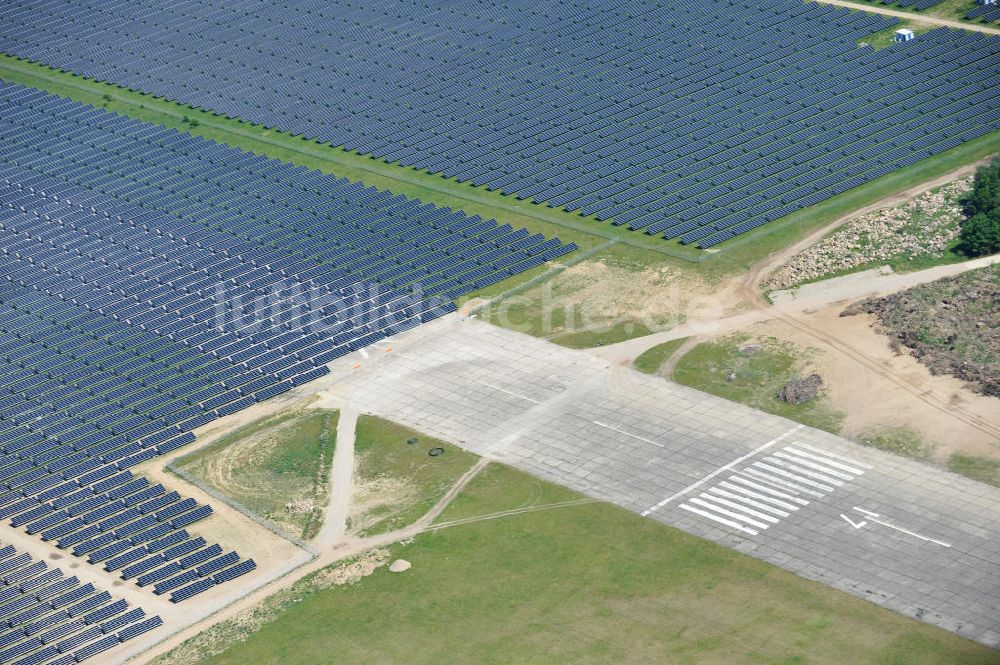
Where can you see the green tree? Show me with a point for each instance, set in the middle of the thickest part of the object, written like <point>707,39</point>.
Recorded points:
<point>981,228</point>
<point>981,233</point>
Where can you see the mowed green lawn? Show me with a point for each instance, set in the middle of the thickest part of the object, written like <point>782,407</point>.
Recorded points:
<point>388,461</point>
<point>584,584</point>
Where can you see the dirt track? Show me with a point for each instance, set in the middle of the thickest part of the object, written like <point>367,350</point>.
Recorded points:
<point>919,18</point>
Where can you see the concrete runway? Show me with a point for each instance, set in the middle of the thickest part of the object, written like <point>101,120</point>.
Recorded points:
<point>907,536</point>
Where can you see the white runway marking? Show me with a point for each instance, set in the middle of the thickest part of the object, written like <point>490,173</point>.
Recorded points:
<point>794,468</point>
<point>705,496</point>
<point>756,504</point>
<point>834,456</point>
<point>621,431</point>
<point>716,509</point>
<point>874,518</point>
<point>856,525</point>
<point>794,477</point>
<point>721,469</point>
<point>769,490</point>
<point>827,462</point>
<point>734,525</point>
<point>780,482</point>
<point>504,390</point>
<point>818,467</point>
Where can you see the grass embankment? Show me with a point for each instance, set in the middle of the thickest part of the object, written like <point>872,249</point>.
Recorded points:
<point>277,467</point>
<point>397,479</point>
<point>730,368</point>
<point>585,583</point>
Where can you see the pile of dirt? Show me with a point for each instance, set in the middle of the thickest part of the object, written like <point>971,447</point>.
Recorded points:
<point>952,325</point>
<point>798,391</point>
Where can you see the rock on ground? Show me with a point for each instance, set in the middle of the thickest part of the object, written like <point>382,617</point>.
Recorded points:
<point>399,565</point>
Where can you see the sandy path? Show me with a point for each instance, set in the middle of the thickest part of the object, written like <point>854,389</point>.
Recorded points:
<point>667,368</point>
<point>919,18</point>
<point>341,482</point>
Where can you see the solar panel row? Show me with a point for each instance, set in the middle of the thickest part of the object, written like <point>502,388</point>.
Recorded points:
<point>151,282</point>
<point>693,120</point>
<point>47,618</point>
<point>988,13</point>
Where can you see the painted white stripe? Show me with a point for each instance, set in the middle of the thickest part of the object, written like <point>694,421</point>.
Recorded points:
<point>908,532</point>
<point>828,462</point>
<point>743,499</point>
<point>769,490</point>
<point>722,520</point>
<point>813,465</point>
<point>756,495</point>
<point>738,507</point>
<point>795,468</point>
<point>729,513</point>
<point>508,392</point>
<point>721,469</point>
<point>866,512</point>
<point>780,482</point>
<point>621,431</point>
<point>793,476</point>
<point>846,460</point>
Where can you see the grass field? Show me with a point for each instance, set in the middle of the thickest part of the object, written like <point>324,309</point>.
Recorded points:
<point>650,360</point>
<point>277,467</point>
<point>729,258</point>
<point>983,469</point>
<point>720,368</point>
<point>398,481</point>
<point>899,441</point>
<point>580,584</point>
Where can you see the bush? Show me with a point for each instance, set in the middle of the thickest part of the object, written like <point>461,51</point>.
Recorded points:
<point>981,228</point>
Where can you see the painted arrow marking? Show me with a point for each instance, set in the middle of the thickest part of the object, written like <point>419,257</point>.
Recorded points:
<point>856,525</point>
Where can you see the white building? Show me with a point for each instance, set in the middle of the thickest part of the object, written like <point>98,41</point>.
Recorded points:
<point>903,35</point>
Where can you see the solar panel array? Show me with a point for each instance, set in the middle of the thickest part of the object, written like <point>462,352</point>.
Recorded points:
<point>691,119</point>
<point>47,618</point>
<point>918,5</point>
<point>151,282</point>
<point>988,13</point>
